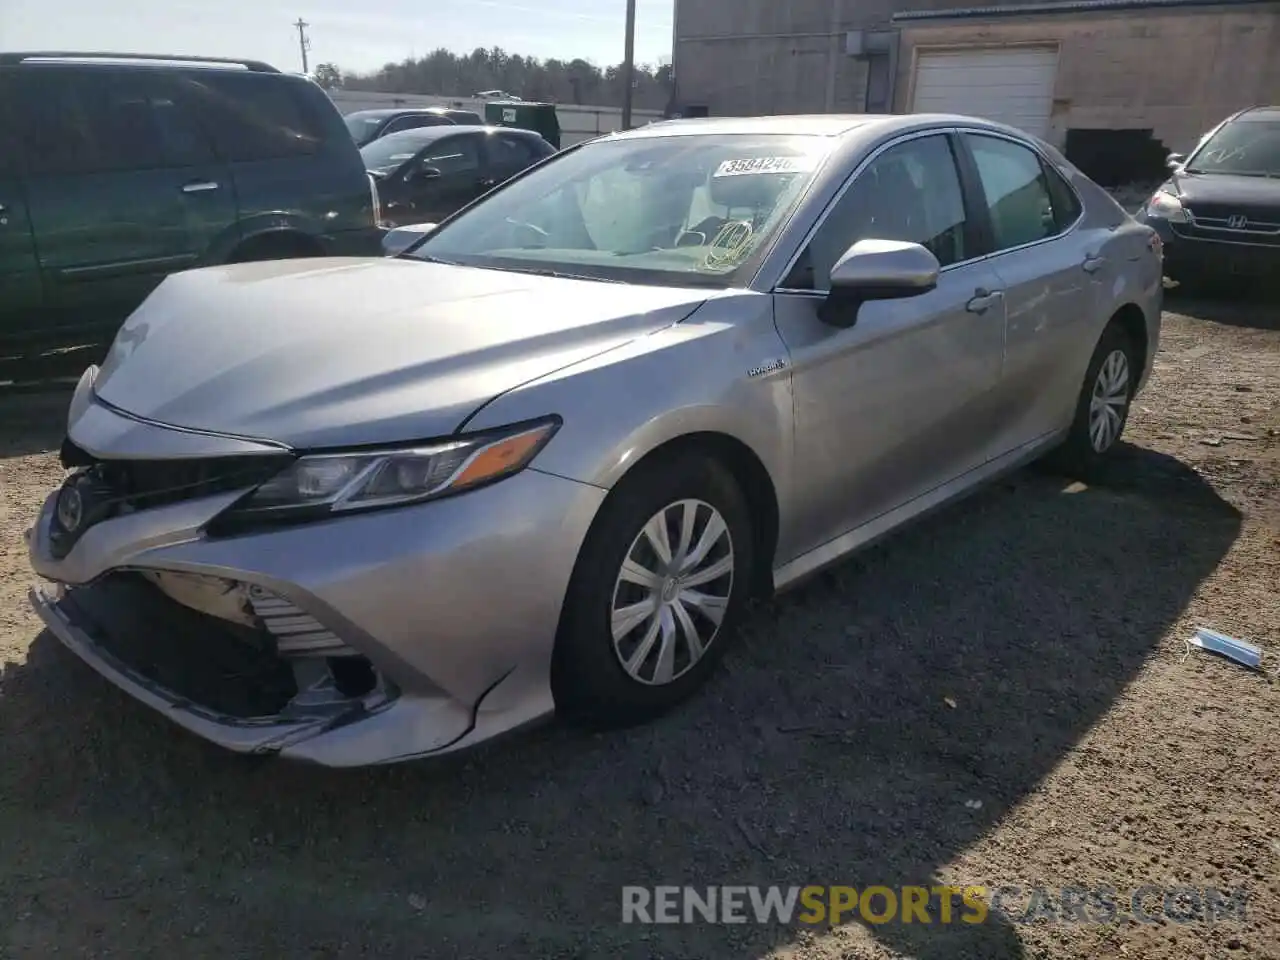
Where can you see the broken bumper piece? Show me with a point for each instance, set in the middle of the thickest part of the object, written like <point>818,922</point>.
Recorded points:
<point>229,687</point>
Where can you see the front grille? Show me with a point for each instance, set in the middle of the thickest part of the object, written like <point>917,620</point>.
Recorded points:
<point>1254,213</point>
<point>1255,234</point>
<point>102,489</point>
<point>1226,223</point>
<point>141,484</point>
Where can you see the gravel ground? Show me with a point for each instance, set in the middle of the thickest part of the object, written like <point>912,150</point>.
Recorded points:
<point>1023,650</point>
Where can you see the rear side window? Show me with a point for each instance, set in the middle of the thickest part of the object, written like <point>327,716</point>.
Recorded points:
<point>511,152</point>
<point>1017,192</point>
<point>1066,205</point>
<point>254,117</point>
<point>89,122</point>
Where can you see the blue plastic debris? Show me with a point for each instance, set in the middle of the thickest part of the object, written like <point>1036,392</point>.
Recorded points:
<point>1245,654</point>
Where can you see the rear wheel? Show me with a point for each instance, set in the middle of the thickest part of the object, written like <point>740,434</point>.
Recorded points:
<point>1102,409</point>
<point>656,594</point>
<point>282,247</point>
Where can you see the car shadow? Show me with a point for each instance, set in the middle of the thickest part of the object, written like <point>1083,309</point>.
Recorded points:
<point>844,742</point>
<point>33,416</point>
<point>1255,307</point>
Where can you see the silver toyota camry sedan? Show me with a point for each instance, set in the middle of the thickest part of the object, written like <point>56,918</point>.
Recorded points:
<point>360,511</point>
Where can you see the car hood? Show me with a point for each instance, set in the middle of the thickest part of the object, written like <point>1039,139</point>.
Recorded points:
<point>1224,188</point>
<point>324,353</point>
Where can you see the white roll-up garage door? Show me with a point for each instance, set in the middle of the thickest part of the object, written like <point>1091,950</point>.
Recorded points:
<point>1010,85</point>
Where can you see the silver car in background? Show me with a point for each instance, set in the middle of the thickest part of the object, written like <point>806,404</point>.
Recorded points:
<point>360,511</point>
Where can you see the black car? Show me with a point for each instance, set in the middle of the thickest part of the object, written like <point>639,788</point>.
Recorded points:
<point>367,126</point>
<point>427,174</point>
<point>1219,213</point>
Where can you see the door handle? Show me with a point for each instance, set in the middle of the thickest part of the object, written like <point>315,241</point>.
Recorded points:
<point>199,186</point>
<point>983,300</point>
<point>487,182</point>
<point>1092,264</point>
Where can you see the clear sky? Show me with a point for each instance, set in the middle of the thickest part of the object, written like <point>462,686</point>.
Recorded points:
<point>354,36</point>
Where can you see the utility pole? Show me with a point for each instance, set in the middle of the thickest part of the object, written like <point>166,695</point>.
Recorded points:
<point>304,44</point>
<point>629,65</point>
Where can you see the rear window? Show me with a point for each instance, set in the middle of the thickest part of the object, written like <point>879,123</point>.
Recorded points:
<point>255,117</point>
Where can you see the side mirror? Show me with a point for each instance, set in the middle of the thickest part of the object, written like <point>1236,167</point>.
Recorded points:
<point>426,173</point>
<point>400,239</point>
<point>877,270</point>
<point>1175,161</point>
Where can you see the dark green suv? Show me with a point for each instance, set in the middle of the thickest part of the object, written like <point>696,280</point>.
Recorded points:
<point>117,170</point>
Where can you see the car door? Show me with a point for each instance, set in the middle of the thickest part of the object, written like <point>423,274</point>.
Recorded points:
<point>1051,271</point>
<point>458,160</point>
<point>21,293</point>
<point>107,208</point>
<point>899,403</point>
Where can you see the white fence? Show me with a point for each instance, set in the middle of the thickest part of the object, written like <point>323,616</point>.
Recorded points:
<point>577,122</point>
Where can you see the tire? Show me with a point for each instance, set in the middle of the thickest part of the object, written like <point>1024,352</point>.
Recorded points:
<point>1111,378</point>
<point>590,682</point>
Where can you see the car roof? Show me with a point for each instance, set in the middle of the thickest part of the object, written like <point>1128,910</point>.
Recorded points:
<point>427,134</point>
<point>1267,114</point>
<point>397,111</point>
<point>821,125</point>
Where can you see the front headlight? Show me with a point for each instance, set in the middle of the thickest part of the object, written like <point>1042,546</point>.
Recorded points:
<point>336,483</point>
<point>1165,206</point>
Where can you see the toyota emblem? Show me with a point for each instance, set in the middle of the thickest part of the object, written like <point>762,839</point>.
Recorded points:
<point>1237,221</point>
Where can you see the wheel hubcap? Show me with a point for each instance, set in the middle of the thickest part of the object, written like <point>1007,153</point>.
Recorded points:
<point>672,592</point>
<point>1108,404</point>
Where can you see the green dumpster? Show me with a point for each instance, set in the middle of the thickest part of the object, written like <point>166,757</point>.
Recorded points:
<point>538,117</point>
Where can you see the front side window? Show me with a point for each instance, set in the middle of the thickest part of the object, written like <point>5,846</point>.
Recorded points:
<point>1017,192</point>
<point>1244,147</point>
<point>909,192</point>
<point>89,122</point>
<point>681,209</point>
<point>454,155</point>
<point>387,154</point>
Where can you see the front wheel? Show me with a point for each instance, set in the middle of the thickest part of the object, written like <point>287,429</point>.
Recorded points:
<point>1102,409</point>
<point>656,594</point>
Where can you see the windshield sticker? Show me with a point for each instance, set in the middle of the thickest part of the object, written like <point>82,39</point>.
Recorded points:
<point>738,168</point>
<point>730,246</point>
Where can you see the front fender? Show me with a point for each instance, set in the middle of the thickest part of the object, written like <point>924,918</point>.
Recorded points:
<point>723,370</point>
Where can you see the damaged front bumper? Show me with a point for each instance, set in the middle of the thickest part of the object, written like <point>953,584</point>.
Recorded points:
<point>372,638</point>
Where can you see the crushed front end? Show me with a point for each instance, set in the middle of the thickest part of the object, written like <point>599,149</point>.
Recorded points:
<point>369,638</point>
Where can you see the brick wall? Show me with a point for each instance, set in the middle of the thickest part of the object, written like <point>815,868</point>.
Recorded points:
<point>1176,72</point>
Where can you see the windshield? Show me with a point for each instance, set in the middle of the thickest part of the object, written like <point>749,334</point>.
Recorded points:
<point>386,154</point>
<point>1242,147</point>
<point>362,128</point>
<point>683,210</point>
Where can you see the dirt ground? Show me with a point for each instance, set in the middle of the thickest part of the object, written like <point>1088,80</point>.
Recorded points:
<point>1023,650</point>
